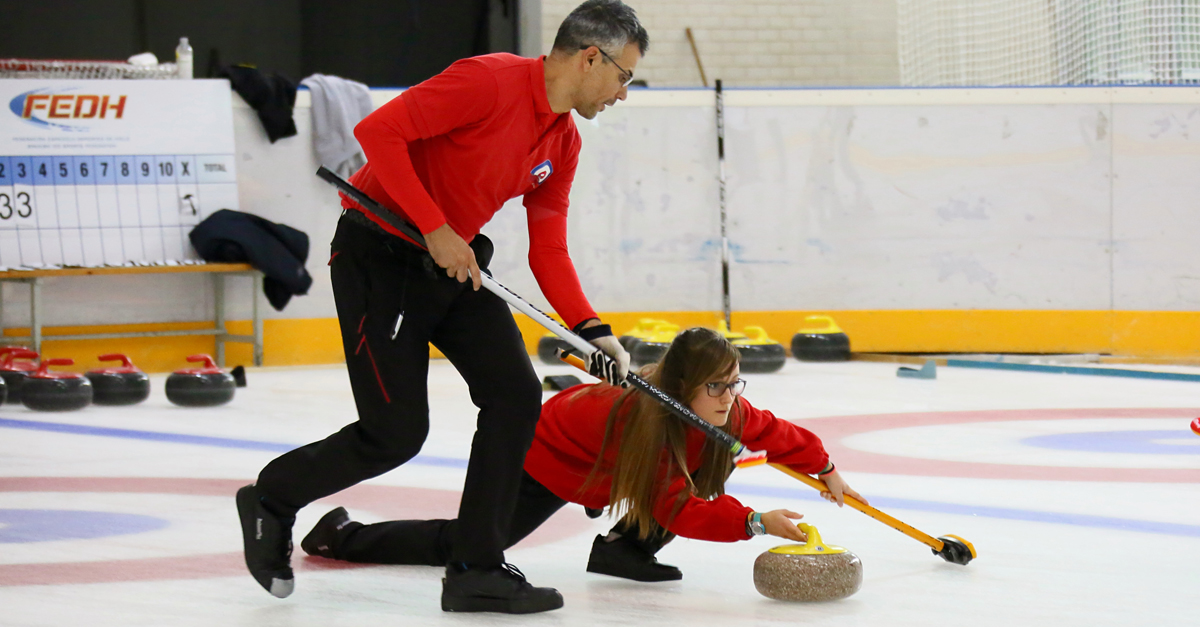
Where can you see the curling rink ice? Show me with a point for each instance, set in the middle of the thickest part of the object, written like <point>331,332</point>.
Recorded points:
<point>1080,494</point>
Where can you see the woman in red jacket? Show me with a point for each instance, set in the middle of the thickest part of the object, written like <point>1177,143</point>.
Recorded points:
<point>601,446</point>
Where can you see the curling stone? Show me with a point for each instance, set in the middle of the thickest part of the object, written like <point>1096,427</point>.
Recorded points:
<point>56,391</point>
<point>200,387</point>
<point>560,382</point>
<point>123,385</point>
<point>655,345</point>
<point>640,331</point>
<point>14,372</point>
<point>548,347</point>
<point>1196,426</point>
<point>820,340</point>
<point>3,391</point>
<point>759,353</point>
<point>812,571</point>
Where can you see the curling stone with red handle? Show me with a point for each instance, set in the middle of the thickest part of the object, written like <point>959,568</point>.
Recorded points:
<point>13,372</point>
<point>56,391</point>
<point>200,387</point>
<point>123,385</point>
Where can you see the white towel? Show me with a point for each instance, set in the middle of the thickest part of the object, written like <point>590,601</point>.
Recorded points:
<point>338,105</point>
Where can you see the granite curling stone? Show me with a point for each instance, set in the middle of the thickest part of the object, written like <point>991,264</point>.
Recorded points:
<point>14,372</point>
<point>123,385</point>
<point>548,347</point>
<point>809,572</point>
<point>56,391</point>
<point>207,386</point>
<point>652,347</point>
<point>821,340</point>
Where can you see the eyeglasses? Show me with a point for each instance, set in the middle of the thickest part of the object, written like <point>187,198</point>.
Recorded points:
<point>627,74</point>
<point>717,388</point>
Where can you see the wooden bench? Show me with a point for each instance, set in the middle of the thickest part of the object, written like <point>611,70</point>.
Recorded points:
<point>218,271</point>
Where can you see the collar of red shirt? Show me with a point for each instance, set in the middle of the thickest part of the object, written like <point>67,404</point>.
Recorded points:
<point>537,82</point>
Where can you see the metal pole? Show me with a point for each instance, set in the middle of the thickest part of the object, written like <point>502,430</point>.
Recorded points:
<point>258,322</point>
<point>35,306</point>
<point>218,281</point>
<point>726,305</point>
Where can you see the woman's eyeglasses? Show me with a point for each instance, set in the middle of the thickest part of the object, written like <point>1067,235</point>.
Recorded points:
<point>717,388</point>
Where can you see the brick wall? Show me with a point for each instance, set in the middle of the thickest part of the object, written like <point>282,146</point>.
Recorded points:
<point>760,42</point>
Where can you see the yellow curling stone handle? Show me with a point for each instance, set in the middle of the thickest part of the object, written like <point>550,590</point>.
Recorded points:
<point>814,546</point>
<point>820,324</point>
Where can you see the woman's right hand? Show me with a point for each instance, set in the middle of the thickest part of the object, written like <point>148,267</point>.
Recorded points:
<point>779,523</point>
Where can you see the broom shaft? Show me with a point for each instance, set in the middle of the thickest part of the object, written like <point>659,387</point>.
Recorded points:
<point>898,525</point>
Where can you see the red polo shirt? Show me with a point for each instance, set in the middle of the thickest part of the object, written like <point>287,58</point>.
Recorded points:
<point>456,147</point>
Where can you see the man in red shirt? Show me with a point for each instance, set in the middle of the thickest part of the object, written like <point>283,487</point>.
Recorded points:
<point>445,155</point>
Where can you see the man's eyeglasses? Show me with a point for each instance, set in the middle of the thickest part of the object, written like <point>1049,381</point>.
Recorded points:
<point>628,76</point>
<point>717,388</point>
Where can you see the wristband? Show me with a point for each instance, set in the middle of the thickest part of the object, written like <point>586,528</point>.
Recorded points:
<point>828,469</point>
<point>595,332</point>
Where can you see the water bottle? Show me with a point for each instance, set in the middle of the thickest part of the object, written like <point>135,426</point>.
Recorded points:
<point>183,59</point>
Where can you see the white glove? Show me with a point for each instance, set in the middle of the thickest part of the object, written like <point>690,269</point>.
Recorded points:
<point>611,362</point>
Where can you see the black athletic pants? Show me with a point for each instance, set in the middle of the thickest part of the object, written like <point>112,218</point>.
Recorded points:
<point>376,278</point>
<point>429,542</point>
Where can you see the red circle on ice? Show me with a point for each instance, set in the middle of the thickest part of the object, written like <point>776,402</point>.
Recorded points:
<point>1196,426</point>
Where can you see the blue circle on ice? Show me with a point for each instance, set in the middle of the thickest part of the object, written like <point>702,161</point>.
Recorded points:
<point>1138,442</point>
<point>44,525</point>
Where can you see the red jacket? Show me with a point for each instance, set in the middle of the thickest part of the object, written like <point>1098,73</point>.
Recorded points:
<point>453,149</point>
<point>571,430</point>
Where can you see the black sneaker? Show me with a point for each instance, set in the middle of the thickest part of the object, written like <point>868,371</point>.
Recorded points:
<point>499,589</point>
<point>267,542</point>
<point>624,558</point>
<point>322,541</point>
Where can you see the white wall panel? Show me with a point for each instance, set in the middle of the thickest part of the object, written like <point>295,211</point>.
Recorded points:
<point>846,199</point>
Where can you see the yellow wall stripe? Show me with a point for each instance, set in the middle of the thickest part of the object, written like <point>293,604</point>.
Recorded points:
<point>289,342</point>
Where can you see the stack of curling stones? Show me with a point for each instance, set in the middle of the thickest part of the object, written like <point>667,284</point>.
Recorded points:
<point>15,366</point>
<point>759,353</point>
<point>122,385</point>
<point>206,386</point>
<point>812,571</point>
<point>56,391</point>
<point>820,340</point>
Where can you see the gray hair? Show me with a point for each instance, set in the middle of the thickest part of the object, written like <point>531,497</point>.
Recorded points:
<point>608,24</point>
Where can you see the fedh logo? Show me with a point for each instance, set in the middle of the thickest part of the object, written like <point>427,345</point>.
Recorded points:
<point>539,174</point>
<point>65,111</point>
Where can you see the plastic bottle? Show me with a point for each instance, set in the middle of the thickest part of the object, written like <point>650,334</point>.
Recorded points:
<point>183,59</point>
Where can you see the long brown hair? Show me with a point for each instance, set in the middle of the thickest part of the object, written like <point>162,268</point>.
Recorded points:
<point>652,440</point>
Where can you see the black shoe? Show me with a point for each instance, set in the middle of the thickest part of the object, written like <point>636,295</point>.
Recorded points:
<point>323,540</point>
<point>498,589</point>
<point>623,558</point>
<point>267,541</point>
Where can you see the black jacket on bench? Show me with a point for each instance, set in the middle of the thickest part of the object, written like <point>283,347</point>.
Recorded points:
<point>278,250</point>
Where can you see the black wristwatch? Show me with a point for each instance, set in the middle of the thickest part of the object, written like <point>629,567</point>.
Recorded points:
<point>754,525</point>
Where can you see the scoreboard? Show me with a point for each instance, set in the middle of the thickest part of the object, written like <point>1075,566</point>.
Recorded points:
<point>99,172</point>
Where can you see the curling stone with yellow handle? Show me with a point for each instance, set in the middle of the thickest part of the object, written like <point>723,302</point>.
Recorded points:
<point>655,345</point>
<point>820,339</point>
<point>813,571</point>
<point>759,352</point>
<point>644,328</point>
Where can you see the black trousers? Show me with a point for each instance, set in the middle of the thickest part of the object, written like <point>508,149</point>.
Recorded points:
<point>377,278</point>
<point>430,542</point>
